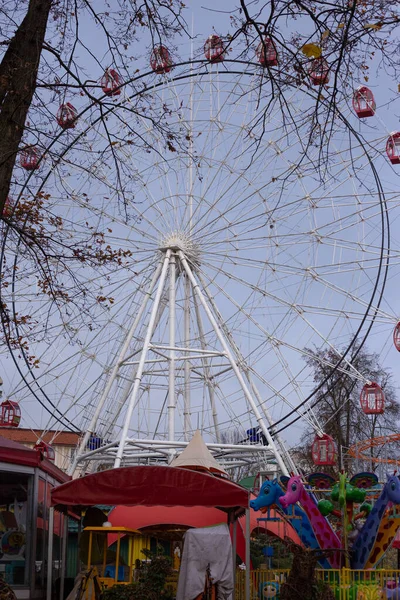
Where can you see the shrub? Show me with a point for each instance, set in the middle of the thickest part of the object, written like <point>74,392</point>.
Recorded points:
<point>151,582</point>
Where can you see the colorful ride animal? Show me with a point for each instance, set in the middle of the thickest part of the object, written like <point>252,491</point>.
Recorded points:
<point>366,541</point>
<point>347,494</point>
<point>388,528</point>
<point>269,495</point>
<point>326,537</point>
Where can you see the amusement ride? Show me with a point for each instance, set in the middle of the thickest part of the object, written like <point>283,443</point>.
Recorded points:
<point>239,257</point>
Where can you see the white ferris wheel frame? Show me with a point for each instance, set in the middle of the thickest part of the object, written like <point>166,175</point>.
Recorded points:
<point>177,261</point>
<point>126,449</point>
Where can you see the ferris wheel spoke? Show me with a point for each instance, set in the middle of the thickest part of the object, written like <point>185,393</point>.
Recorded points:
<point>298,312</point>
<point>277,262</point>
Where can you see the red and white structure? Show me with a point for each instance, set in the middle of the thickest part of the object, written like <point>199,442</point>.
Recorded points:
<point>364,102</point>
<point>111,82</point>
<point>214,49</point>
<point>266,53</point>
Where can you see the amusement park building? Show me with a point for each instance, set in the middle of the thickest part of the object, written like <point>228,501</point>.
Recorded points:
<point>64,443</point>
<point>27,478</point>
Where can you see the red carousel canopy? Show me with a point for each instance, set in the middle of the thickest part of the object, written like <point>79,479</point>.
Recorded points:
<point>151,486</point>
<point>143,517</point>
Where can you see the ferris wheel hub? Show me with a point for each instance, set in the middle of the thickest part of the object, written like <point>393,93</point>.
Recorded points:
<point>181,241</point>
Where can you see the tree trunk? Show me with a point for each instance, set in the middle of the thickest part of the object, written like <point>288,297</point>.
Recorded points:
<point>18,75</point>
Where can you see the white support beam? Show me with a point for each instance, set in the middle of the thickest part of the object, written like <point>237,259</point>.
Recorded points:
<point>103,398</point>
<point>254,389</point>
<point>139,372</point>
<point>206,368</point>
<point>171,376</point>
<point>187,365</point>
<point>224,344</point>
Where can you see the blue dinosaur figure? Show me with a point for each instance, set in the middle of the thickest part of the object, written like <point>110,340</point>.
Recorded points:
<point>366,539</point>
<point>269,495</point>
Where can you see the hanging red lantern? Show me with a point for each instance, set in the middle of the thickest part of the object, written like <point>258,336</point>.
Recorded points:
<point>396,336</point>
<point>319,71</point>
<point>364,102</point>
<point>266,53</point>
<point>67,116</point>
<point>10,414</point>
<point>393,148</point>
<point>110,82</point>
<point>372,399</point>
<point>160,60</point>
<point>29,158</point>
<point>45,450</point>
<point>214,50</point>
<point>323,451</point>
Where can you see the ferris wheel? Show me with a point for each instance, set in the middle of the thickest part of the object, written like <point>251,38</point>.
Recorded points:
<point>237,260</point>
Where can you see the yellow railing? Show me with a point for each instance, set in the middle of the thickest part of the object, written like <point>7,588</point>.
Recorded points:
<point>346,584</point>
<point>261,582</point>
<point>172,583</point>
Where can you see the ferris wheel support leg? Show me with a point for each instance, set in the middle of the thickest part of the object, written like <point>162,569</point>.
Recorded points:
<point>128,386</point>
<point>245,368</point>
<point>236,370</point>
<point>171,381</point>
<point>139,372</point>
<point>114,372</point>
<point>187,368</point>
<point>206,366</point>
<point>280,443</point>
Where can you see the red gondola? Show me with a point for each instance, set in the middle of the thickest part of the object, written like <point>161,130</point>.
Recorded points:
<point>364,102</point>
<point>214,50</point>
<point>110,82</point>
<point>372,399</point>
<point>393,148</point>
<point>266,53</point>
<point>46,450</point>
<point>10,414</point>
<point>319,71</point>
<point>323,451</point>
<point>160,60</point>
<point>396,336</point>
<point>67,116</point>
<point>29,159</point>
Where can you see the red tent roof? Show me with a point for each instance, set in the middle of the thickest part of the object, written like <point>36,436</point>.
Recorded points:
<point>151,486</point>
<point>147,516</point>
<point>140,517</point>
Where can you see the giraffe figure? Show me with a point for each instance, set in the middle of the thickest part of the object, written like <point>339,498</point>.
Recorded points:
<point>366,539</point>
<point>326,537</point>
<point>386,533</point>
<point>269,495</point>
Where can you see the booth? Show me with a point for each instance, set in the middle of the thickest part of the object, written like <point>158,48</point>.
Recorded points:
<point>27,478</point>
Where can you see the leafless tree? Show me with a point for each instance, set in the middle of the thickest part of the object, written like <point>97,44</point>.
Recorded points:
<point>337,405</point>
